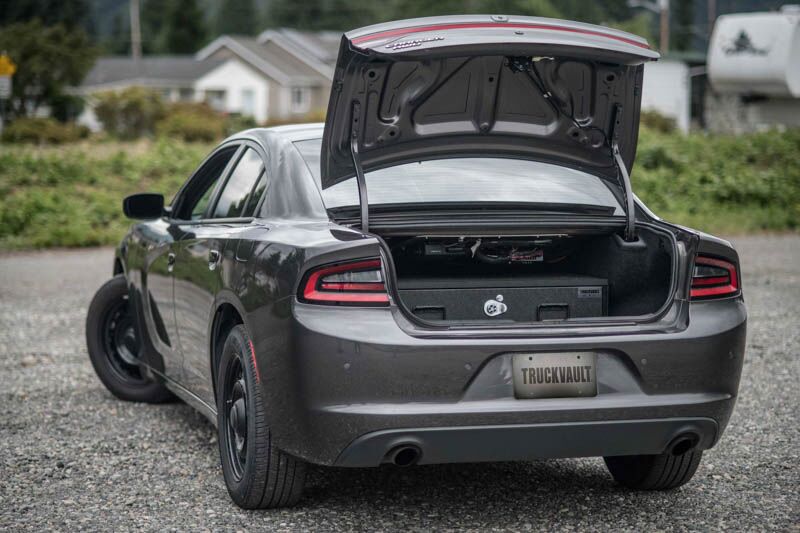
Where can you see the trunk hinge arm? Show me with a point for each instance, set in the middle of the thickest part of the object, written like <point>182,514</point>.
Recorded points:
<point>630,208</point>
<point>622,171</point>
<point>361,180</point>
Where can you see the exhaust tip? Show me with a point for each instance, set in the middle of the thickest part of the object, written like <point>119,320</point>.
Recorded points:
<point>684,443</point>
<point>404,455</point>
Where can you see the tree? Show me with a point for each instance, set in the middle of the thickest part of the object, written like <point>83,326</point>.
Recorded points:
<point>641,25</point>
<point>70,13</point>
<point>682,25</point>
<point>423,8</point>
<point>185,31</point>
<point>48,59</point>
<point>238,17</point>
<point>119,41</point>
<point>300,15</point>
<point>582,11</point>
<point>154,26</point>
<point>617,10</point>
<point>348,14</point>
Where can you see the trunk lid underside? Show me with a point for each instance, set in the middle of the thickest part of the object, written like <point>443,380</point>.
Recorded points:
<point>520,87</point>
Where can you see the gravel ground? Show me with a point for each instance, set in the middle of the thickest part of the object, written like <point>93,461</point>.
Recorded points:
<point>72,457</point>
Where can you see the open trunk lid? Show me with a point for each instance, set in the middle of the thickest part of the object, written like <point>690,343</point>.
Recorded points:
<point>542,89</point>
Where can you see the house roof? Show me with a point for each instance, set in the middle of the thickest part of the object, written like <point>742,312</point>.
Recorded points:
<point>318,49</point>
<point>274,60</point>
<point>172,71</point>
<point>288,56</point>
<point>302,57</point>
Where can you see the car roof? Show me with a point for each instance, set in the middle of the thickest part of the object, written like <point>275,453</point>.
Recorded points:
<point>299,132</point>
<point>289,132</point>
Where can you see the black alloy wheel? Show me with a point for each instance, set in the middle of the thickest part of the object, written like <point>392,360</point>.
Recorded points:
<point>114,345</point>
<point>235,406</point>
<point>258,475</point>
<point>121,342</point>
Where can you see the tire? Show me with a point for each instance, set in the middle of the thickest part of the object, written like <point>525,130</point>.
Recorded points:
<point>257,474</point>
<point>654,472</point>
<point>113,345</point>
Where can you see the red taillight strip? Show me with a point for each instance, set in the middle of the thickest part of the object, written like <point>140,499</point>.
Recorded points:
<point>697,282</point>
<point>347,297</point>
<point>732,287</point>
<point>364,287</point>
<point>314,291</point>
<point>479,25</point>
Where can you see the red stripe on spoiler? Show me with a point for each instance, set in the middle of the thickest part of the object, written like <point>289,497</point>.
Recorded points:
<point>476,25</point>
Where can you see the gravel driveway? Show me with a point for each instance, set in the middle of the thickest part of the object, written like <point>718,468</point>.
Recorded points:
<point>72,457</point>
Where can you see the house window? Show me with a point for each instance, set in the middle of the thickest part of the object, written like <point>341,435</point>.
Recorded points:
<point>216,99</point>
<point>185,94</point>
<point>301,99</point>
<point>248,108</point>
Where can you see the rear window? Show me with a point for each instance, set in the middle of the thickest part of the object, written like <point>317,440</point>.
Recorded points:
<point>468,179</point>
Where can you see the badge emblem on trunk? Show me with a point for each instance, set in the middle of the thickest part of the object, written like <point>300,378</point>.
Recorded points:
<point>495,307</point>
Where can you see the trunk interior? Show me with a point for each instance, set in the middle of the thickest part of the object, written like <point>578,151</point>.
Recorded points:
<point>472,280</point>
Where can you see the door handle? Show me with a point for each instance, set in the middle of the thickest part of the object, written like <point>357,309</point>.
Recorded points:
<point>170,261</point>
<point>213,259</point>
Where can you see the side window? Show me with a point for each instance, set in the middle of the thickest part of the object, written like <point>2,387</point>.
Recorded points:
<point>200,207</point>
<point>235,194</point>
<point>255,197</point>
<point>197,195</point>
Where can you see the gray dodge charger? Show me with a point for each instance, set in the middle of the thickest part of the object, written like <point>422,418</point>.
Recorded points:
<point>453,268</point>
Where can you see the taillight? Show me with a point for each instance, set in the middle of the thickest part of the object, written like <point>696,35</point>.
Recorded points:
<point>353,283</point>
<point>713,278</point>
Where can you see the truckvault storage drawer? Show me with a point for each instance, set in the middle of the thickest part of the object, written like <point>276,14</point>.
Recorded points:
<point>517,299</point>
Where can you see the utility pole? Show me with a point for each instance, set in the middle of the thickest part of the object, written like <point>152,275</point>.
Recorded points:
<point>663,7</point>
<point>136,32</point>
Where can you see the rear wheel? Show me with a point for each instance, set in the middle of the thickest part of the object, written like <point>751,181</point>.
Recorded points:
<point>257,474</point>
<point>113,345</point>
<point>654,472</point>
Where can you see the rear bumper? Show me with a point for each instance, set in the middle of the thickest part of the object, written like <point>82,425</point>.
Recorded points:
<point>349,385</point>
<point>472,444</point>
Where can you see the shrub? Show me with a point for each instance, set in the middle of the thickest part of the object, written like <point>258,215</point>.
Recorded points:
<point>656,121</point>
<point>192,122</point>
<point>129,113</point>
<point>70,196</point>
<point>317,115</point>
<point>43,131</point>
<point>237,123</point>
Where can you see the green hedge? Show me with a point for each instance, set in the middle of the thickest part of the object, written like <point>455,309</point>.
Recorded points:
<point>72,195</point>
<point>43,131</point>
<point>721,183</point>
<point>193,122</point>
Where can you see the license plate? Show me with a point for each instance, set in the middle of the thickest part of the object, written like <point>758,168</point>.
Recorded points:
<point>554,375</point>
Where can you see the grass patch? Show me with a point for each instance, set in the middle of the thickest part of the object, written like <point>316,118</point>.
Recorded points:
<point>72,195</point>
<point>721,184</point>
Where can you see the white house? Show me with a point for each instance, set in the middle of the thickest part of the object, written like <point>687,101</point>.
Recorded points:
<point>295,69</point>
<point>281,75</point>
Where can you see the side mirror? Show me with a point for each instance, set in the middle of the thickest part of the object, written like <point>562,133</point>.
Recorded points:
<point>143,206</point>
